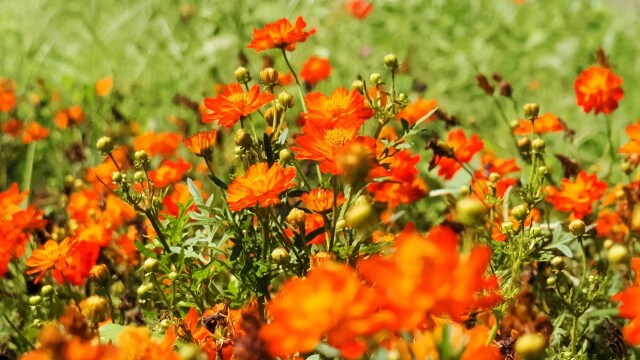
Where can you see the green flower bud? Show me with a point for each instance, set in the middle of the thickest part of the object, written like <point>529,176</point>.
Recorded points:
<point>470,211</point>
<point>35,300</point>
<point>150,264</point>
<point>577,227</point>
<point>391,61</point>
<point>520,212</point>
<point>280,256</point>
<point>104,145</point>
<point>531,346</point>
<point>531,111</point>
<point>375,79</point>
<point>242,75</point>
<point>618,254</point>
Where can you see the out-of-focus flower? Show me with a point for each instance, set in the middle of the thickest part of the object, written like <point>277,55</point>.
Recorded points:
<point>8,96</point>
<point>464,150</point>
<point>201,144</point>
<point>543,124</point>
<point>416,110</point>
<point>315,69</point>
<point>234,104</point>
<point>610,225</point>
<point>34,132</point>
<point>578,196</point>
<point>169,172</point>
<point>359,9</point>
<point>630,307</point>
<point>280,34</point>
<point>158,143</point>
<point>70,116</point>
<point>12,127</point>
<point>104,85</point>
<point>633,146</point>
<point>135,343</point>
<point>285,79</point>
<point>261,186</point>
<point>598,89</point>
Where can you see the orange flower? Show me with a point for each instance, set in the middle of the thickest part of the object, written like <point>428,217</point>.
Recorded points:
<point>417,110</point>
<point>168,173</point>
<point>343,108</point>
<point>261,186</point>
<point>71,116</point>
<point>402,184</point>
<point>12,127</point>
<point>281,35</point>
<point>157,143</point>
<point>630,308</point>
<point>578,196</point>
<point>464,151</point>
<point>633,146</point>
<point>315,69</point>
<point>233,104</point>
<point>320,200</point>
<point>8,96</point>
<point>285,79</point>
<point>470,343</point>
<point>34,132</point>
<point>610,225</point>
<point>179,195</point>
<point>51,256</point>
<point>360,9</point>
<point>491,164</point>
<point>598,89</point>
<point>135,343</point>
<point>543,124</point>
<point>201,144</point>
<point>104,85</point>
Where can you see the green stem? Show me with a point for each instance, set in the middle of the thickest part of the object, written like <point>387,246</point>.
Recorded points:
<point>17,330</point>
<point>295,76</point>
<point>28,170</point>
<point>612,150</point>
<point>110,300</point>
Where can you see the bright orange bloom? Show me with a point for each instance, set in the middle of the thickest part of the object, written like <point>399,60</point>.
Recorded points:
<point>8,96</point>
<point>630,307</point>
<point>51,256</point>
<point>12,127</point>
<point>285,79</point>
<point>315,69</point>
<point>179,195</point>
<point>233,104</point>
<point>416,110</point>
<point>577,197</point>
<point>169,172</point>
<point>157,143</point>
<point>135,343</point>
<point>201,144</point>
<point>71,116</point>
<point>261,186</point>
<point>470,342</point>
<point>491,164</point>
<point>598,89</point>
<point>104,85</point>
<point>34,132</point>
<point>280,34</point>
<point>312,223</point>
<point>360,9</point>
<point>610,225</point>
<point>464,150</point>
<point>342,108</point>
<point>403,184</point>
<point>320,200</point>
<point>633,146</point>
<point>543,124</point>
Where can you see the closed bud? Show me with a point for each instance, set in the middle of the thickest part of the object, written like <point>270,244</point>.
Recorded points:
<point>520,212</point>
<point>557,263</point>
<point>358,85</point>
<point>296,218</point>
<point>626,167</point>
<point>531,111</point>
<point>104,145</point>
<point>242,138</point>
<point>538,145</point>
<point>269,76</point>
<point>470,211</point>
<point>341,224</point>
<point>402,97</point>
<point>99,273</point>
<point>618,254</point>
<point>494,177</point>
<point>172,275</point>
<point>280,256</point>
<point>138,176</point>
<point>607,244</point>
<point>364,199</point>
<point>551,280</point>
<point>242,75</point>
<point>505,89</point>
<point>286,99</point>
<point>190,352</point>
<point>35,300</point>
<point>272,114</point>
<point>141,157</point>
<point>150,265</point>
<point>355,163</point>
<point>143,289</point>
<point>524,144</point>
<point>531,346</point>
<point>543,170</point>
<point>117,177</point>
<point>506,227</point>
<point>361,217</point>
<point>535,231</point>
<point>375,79</point>
<point>47,290</point>
<point>514,124</point>
<point>285,156</point>
<point>94,308</point>
<point>577,227</point>
<point>391,61</point>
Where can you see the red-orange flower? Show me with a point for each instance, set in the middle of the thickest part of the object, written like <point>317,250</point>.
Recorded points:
<point>34,132</point>
<point>104,85</point>
<point>8,96</point>
<point>71,116</point>
<point>598,89</point>
<point>464,150</point>
<point>543,124</point>
<point>261,186</point>
<point>169,172</point>
<point>233,104</point>
<point>157,143</point>
<point>51,256</point>
<point>280,34</point>
<point>135,343</point>
<point>12,127</point>
<point>360,9</point>
<point>402,184</point>
<point>630,307</point>
<point>416,110</point>
<point>342,108</point>
<point>633,146</point>
<point>201,144</point>
<point>577,197</point>
<point>320,200</point>
<point>610,225</point>
<point>315,69</point>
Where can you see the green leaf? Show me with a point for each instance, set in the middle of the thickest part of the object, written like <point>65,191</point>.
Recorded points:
<point>195,192</point>
<point>109,332</point>
<point>221,184</point>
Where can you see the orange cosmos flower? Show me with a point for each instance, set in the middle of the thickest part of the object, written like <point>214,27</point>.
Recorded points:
<point>104,85</point>
<point>403,185</point>
<point>157,143</point>
<point>342,108</point>
<point>610,225</point>
<point>34,132</point>
<point>598,89</point>
<point>51,256</point>
<point>417,110</point>
<point>201,144</point>
<point>285,79</point>
<point>633,146</point>
<point>315,69</point>
<point>320,200</point>
<point>464,150</point>
<point>280,34</point>
<point>12,127</point>
<point>233,104</point>
<point>578,196</point>
<point>261,186</point>
<point>360,9</point>
<point>543,124</point>
<point>135,343</point>
<point>630,308</point>
<point>8,96</point>
<point>491,164</point>
<point>169,172</point>
<point>71,116</point>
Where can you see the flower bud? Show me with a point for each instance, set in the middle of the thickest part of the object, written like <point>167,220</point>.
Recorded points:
<point>618,254</point>
<point>537,145</point>
<point>607,244</point>
<point>35,300</point>
<point>361,217</point>
<point>514,124</point>
<point>535,231</point>
<point>99,273</point>
<point>470,211</point>
<point>280,256</point>
<point>375,79</point>
<point>104,145</point>
<point>296,218</point>
<point>138,176</point>
<point>285,155</point>
<point>531,346</point>
<point>172,275</point>
<point>524,144</point>
<point>551,280</point>
<point>505,88</point>
<point>402,97</point>
<point>506,227</point>
<point>494,177</point>
<point>286,99</point>
<point>141,157</point>
<point>543,170</point>
<point>269,76</point>
<point>151,265</point>
<point>341,224</point>
<point>242,75</point>
<point>355,163</point>
<point>531,111</point>
<point>190,352</point>
<point>358,85</point>
<point>391,61</point>
<point>557,263</point>
<point>94,308</point>
<point>143,289</point>
<point>577,227</point>
<point>626,167</point>
<point>520,212</point>
<point>46,290</point>
<point>117,177</point>
<point>242,138</point>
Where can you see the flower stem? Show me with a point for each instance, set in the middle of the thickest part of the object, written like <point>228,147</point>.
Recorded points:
<point>295,76</point>
<point>17,330</point>
<point>28,170</point>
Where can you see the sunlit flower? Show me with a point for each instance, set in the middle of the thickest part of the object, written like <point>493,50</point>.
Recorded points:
<point>157,143</point>
<point>285,78</point>
<point>280,34</point>
<point>633,146</point>
<point>464,150</point>
<point>261,186</point>
<point>70,116</point>
<point>234,104</point>
<point>598,89</point>
<point>418,109</point>
<point>342,108</point>
<point>201,144</point>
<point>578,196</point>
<point>12,127</point>
<point>402,184</point>
<point>34,132</point>
<point>321,200</point>
<point>630,307</point>
<point>135,343</point>
<point>8,96</point>
<point>104,85</point>
<point>610,225</point>
<point>543,124</point>
<point>491,164</point>
<point>359,9</point>
<point>51,256</point>
<point>169,172</point>
<point>315,69</point>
